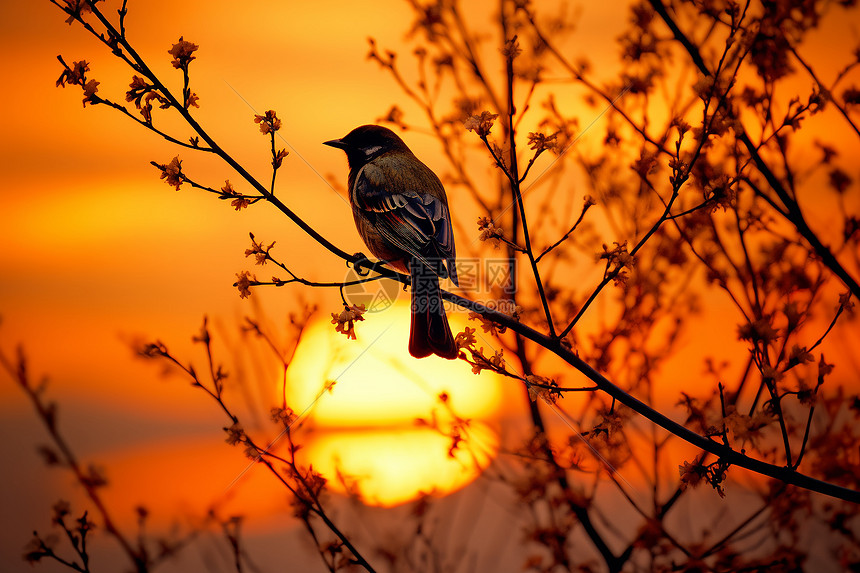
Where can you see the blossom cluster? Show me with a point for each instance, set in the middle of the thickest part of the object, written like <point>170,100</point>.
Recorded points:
<point>481,124</point>
<point>76,74</point>
<point>345,320</point>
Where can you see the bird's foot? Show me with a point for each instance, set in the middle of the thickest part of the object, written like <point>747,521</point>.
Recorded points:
<point>357,264</point>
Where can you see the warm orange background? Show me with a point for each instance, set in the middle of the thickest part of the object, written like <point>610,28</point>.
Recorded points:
<point>95,252</point>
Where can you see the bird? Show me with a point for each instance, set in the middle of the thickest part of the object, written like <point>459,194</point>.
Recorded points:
<point>401,212</point>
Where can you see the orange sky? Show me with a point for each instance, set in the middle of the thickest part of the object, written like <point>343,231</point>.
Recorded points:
<point>96,252</point>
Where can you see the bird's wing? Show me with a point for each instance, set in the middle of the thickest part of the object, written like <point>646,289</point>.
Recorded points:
<point>408,208</point>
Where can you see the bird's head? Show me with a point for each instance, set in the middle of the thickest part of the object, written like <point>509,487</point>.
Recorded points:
<point>367,142</point>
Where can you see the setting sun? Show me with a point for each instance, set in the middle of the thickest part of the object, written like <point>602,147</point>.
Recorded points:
<point>384,422</point>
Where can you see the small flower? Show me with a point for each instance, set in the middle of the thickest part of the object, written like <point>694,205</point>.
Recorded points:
<point>235,434</point>
<point>758,331</point>
<point>489,231</point>
<point>805,395</point>
<point>137,83</point>
<point>61,509</point>
<point>192,100</point>
<point>268,122</point>
<point>681,125</point>
<point>845,301</point>
<point>496,362</point>
<point>143,94</point>
<point>252,453</point>
<point>314,481</point>
<point>243,283</point>
<point>691,474</point>
<point>260,251</point>
<point>799,355</point>
<point>541,142</point>
<point>136,90</point>
<point>172,173</point>
<point>498,359</point>
<point>512,49</point>
<point>181,52</point>
<point>610,424</point>
<point>465,339</point>
<point>90,89</point>
<point>37,548</point>
<point>153,350</point>
<point>279,158</point>
<point>544,388</point>
<point>284,416</point>
<point>720,193</point>
<point>617,255</point>
<point>823,369</point>
<point>618,260</point>
<point>488,325</point>
<point>481,124</point>
<point>146,109</point>
<point>746,428</point>
<point>75,75</point>
<point>78,8</point>
<point>704,87</point>
<point>646,162</point>
<point>240,203</point>
<point>345,321</point>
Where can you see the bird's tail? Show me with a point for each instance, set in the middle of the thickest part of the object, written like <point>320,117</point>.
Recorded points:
<point>430,332</point>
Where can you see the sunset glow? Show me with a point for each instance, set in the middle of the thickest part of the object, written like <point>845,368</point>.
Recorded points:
<point>124,297</point>
<point>388,467</point>
<point>370,411</point>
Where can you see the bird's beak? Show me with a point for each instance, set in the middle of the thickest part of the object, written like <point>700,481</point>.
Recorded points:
<point>335,143</point>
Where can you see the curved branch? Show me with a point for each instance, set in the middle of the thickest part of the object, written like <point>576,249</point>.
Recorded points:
<point>733,457</point>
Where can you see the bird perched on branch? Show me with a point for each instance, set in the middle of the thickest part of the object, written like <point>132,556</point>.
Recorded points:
<point>401,213</point>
